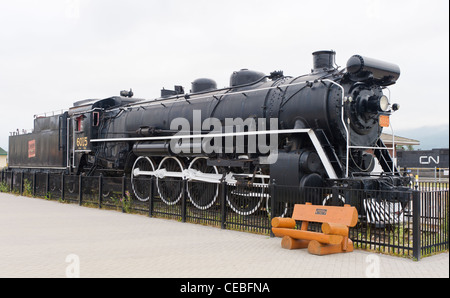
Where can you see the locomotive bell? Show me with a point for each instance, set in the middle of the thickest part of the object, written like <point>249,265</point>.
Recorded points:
<point>126,93</point>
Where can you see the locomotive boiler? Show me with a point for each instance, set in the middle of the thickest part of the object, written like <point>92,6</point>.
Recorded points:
<point>318,129</point>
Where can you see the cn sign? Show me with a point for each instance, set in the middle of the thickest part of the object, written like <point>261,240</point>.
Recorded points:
<point>423,158</point>
<point>426,160</point>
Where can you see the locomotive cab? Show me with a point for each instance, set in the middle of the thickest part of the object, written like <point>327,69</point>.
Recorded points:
<point>88,120</point>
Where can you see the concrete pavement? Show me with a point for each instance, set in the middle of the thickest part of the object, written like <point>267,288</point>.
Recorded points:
<point>40,238</point>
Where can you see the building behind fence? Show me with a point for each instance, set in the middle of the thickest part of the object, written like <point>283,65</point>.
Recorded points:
<point>415,226</point>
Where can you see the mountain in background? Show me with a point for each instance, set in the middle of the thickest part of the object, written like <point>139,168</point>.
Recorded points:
<point>430,137</point>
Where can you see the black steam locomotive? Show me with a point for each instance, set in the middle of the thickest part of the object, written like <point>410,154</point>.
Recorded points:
<point>323,128</point>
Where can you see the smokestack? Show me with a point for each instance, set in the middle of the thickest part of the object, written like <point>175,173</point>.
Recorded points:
<point>323,60</point>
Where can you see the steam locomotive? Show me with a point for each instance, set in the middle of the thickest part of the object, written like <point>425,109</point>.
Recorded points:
<point>323,129</point>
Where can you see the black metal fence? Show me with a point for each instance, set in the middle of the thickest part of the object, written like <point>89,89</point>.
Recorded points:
<point>411,223</point>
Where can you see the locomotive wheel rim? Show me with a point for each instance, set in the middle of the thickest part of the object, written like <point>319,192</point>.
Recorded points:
<point>190,185</point>
<point>327,200</point>
<point>141,196</point>
<point>240,202</point>
<point>70,184</point>
<point>243,209</point>
<point>53,185</point>
<point>269,207</point>
<point>160,182</point>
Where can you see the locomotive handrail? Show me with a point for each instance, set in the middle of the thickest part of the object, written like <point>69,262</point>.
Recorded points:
<point>183,97</point>
<point>381,148</point>
<point>51,113</point>
<point>344,99</point>
<point>187,96</point>
<point>347,132</point>
<point>317,145</point>
<point>209,135</point>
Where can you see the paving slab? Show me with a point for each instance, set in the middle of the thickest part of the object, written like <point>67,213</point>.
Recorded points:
<point>41,238</point>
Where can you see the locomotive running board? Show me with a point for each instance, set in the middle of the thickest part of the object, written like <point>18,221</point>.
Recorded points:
<point>317,145</point>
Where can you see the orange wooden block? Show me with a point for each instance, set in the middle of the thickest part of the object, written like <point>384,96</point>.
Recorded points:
<point>316,248</point>
<point>332,214</point>
<point>291,243</point>
<point>307,235</point>
<point>335,229</point>
<point>280,222</point>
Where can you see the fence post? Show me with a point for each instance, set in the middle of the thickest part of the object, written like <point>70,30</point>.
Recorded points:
<point>80,189</point>
<point>62,186</point>
<point>123,192</point>
<point>416,225</point>
<point>47,185</point>
<point>223,206</point>
<point>11,189</point>
<point>34,184</point>
<point>100,190</point>
<point>183,201</point>
<point>21,183</point>
<point>273,205</point>
<point>150,199</point>
<point>334,196</point>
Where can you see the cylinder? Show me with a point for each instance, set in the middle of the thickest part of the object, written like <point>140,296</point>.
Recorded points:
<point>152,149</point>
<point>187,148</point>
<point>363,68</point>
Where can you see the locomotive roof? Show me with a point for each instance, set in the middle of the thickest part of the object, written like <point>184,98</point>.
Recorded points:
<point>106,103</point>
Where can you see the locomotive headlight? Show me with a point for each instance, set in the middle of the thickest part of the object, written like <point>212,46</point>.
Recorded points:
<point>384,103</point>
<point>373,104</point>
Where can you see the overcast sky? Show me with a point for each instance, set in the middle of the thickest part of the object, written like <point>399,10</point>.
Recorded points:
<point>56,52</point>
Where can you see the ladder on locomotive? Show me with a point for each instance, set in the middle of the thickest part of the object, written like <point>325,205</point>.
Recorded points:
<point>330,152</point>
<point>384,158</point>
